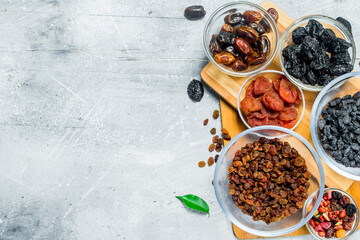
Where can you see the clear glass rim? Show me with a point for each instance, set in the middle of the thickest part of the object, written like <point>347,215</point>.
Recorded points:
<point>262,72</point>
<point>352,200</point>
<point>276,232</point>
<point>336,24</point>
<point>211,58</point>
<point>314,127</point>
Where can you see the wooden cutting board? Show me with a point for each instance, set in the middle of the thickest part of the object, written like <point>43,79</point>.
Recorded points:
<point>228,87</point>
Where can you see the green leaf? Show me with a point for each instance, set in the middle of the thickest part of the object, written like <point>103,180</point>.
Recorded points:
<point>195,202</point>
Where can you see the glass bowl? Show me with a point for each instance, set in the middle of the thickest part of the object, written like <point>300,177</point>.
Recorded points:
<point>311,200</point>
<point>216,21</point>
<point>271,75</point>
<point>345,84</point>
<point>245,222</point>
<point>340,31</point>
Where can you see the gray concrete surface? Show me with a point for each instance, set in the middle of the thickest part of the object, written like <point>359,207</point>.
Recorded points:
<point>97,134</point>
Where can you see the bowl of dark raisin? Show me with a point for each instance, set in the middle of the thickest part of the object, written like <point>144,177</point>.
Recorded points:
<point>314,50</point>
<point>241,38</point>
<point>336,217</point>
<point>335,125</point>
<point>263,178</point>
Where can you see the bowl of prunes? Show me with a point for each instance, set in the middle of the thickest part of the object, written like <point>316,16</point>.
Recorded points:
<point>241,38</point>
<point>335,125</point>
<point>316,49</point>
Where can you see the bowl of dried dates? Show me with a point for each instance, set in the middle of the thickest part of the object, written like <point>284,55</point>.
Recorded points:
<point>336,217</point>
<point>314,50</point>
<point>241,38</point>
<point>335,125</point>
<point>263,178</point>
<point>269,98</point>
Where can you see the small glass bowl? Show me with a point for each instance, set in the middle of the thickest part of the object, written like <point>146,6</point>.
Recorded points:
<point>245,222</point>
<point>271,75</point>
<point>345,84</point>
<point>340,31</point>
<point>216,21</point>
<point>352,200</point>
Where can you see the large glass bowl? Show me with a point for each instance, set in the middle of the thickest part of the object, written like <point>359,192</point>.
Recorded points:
<point>271,75</point>
<point>216,21</point>
<point>346,84</point>
<point>339,29</point>
<point>312,199</point>
<point>245,222</point>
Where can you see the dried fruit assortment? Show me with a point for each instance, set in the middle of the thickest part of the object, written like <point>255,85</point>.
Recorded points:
<point>340,130</point>
<point>335,215</point>
<point>242,41</point>
<point>268,180</point>
<point>317,55</point>
<point>271,103</point>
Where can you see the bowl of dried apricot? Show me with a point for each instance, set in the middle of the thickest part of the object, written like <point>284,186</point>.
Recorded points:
<point>263,178</point>
<point>241,38</point>
<point>269,98</point>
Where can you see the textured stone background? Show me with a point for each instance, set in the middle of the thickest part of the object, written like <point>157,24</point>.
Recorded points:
<point>97,134</point>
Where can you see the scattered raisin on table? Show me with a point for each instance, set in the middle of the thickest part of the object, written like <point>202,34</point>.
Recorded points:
<point>216,114</point>
<point>224,131</point>
<point>211,147</point>
<point>206,121</point>
<point>211,161</point>
<point>218,147</point>
<point>201,164</point>
<point>216,157</point>
<point>213,131</point>
<point>215,139</point>
<point>227,137</point>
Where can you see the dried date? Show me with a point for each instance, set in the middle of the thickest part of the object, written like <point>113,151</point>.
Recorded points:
<point>195,12</point>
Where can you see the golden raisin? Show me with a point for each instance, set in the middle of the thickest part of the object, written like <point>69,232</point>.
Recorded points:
<point>210,161</point>
<point>213,131</point>
<point>216,114</point>
<point>211,147</point>
<point>201,164</point>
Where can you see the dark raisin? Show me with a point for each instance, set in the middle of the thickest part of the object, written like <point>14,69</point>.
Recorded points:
<point>299,34</point>
<point>346,23</point>
<point>195,12</point>
<point>339,69</point>
<point>350,209</point>
<point>335,195</point>
<point>338,45</point>
<point>314,28</point>
<point>216,157</point>
<point>213,131</point>
<point>227,137</point>
<point>195,90</point>
<point>206,121</point>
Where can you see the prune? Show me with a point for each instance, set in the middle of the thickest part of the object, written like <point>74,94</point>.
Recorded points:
<point>340,58</point>
<point>248,33</point>
<point>350,209</point>
<point>252,16</point>
<point>231,49</point>
<point>239,65</point>
<point>344,201</point>
<point>249,104</point>
<point>311,77</point>
<point>254,59</point>
<point>340,69</point>
<point>263,45</point>
<point>335,195</point>
<point>309,48</point>
<point>327,36</point>
<point>299,34</point>
<point>314,28</point>
<point>214,45</point>
<point>287,91</point>
<point>325,79</point>
<point>346,23</point>
<point>272,101</point>
<point>224,57</point>
<point>195,90</point>
<point>338,45</point>
<point>261,85</point>
<point>242,46</point>
<point>257,28</point>
<point>273,13</point>
<point>322,61</point>
<point>225,39</point>
<point>194,12</point>
<point>233,18</point>
<point>288,113</point>
<point>227,28</point>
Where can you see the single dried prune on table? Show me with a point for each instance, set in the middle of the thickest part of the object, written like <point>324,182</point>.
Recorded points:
<point>327,36</point>
<point>263,45</point>
<point>340,58</point>
<point>338,45</point>
<point>214,45</point>
<point>337,70</point>
<point>242,46</point>
<point>314,28</point>
<point>322,61</point>
<point>288,113</point>
<point>225,58</point>
<point>287,91</point>
<point>248,33</point>
<point>257,28</point>
<point>261,85</point>
<point>346,23</point>
<point>310,48</point>
<point>194,12</point>
<point>249,104</point>
<point>252,16</point>
<point>350,209</point>
<point>195,90</point>
<point>299,34</point>
<point>233,18</point>
<point>239,65</point>
<point>231,49</point>
<point>227,28</point>
<point>254,59</point>
<point>272,101</point>
<point>273,13</point>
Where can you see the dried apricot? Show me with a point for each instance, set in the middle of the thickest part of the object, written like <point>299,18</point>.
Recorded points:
<point>250,90</point>
<point>250,104</point>
<point>288,113</point>
<point>270,113</point>
<point>261,85</point>
<point>287,124</point>
<point>287,91</point>
<point>276,82</point>
<point>253,122</point>
<point>257,115</point>
<point>272,101</point>
<point>299,98</point>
